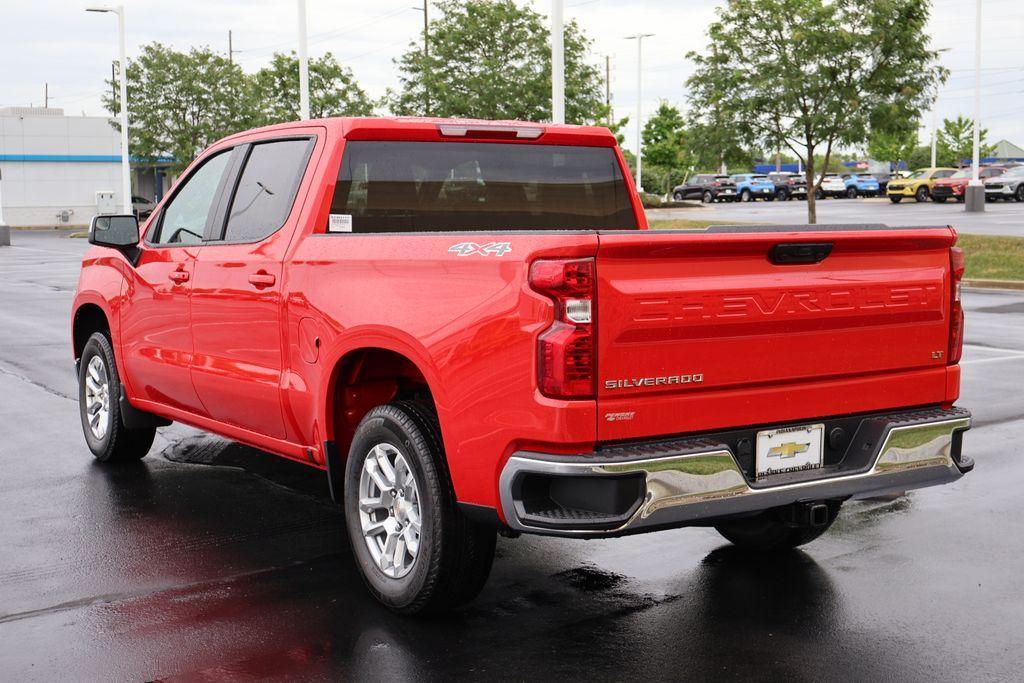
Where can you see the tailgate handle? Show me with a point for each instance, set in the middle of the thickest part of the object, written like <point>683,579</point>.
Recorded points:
<point>801,252</point>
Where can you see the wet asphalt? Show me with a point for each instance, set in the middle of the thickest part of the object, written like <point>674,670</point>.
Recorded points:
<point>209,560</point>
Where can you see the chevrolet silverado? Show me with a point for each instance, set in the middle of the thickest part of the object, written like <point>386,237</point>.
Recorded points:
<point>468,326</point>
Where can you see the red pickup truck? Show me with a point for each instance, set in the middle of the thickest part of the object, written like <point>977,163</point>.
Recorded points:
<point>470,328</point>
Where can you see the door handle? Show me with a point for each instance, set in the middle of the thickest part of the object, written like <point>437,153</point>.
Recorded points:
<point>179,276</point>
<point>262,279</point>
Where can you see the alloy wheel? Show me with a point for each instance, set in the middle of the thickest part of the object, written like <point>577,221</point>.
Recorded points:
<point>389,510</point>
<point>97,397</point>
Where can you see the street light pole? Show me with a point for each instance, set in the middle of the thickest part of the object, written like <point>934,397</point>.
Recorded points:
<point>126,177</point>
<point>426,54</point>
<point>639,38</point>
<point>303,64</point>
<point>935,131</point>
<point>974,199</point>
<point>557,63</point>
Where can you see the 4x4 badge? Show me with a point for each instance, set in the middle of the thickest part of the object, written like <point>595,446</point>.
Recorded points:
<point>474,249</point>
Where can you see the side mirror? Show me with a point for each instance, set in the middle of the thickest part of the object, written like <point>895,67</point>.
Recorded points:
<point>114,231</point>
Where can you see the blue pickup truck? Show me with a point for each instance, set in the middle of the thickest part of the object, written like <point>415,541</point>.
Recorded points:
<point>751,186</point>
<point>858,184</point>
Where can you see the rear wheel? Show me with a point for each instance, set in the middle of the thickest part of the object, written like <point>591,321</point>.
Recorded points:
<point>99,391</point>
<point>895,200</point>
<point>781,194</point>
<point>774,529</point>
<point>922,194</point>
<point>745,196</point>
<point>851,193</point>
<point>414,548</point>
<point>939,200</point>
<point>1019,194</point>
<point>678,196</point>
<point>707,197</point>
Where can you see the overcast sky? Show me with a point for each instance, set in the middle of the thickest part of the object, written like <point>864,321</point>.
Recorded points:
<point>59,43</point>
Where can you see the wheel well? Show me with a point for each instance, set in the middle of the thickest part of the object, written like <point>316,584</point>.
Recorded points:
<point>89,318</point>
<point>366,378</point>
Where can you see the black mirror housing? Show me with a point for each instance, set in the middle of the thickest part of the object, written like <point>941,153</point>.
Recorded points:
<point>117,231</point>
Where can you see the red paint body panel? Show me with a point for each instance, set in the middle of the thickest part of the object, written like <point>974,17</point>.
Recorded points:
<point>260,364</point>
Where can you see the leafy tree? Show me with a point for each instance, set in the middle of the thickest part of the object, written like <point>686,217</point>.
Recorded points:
<point>892,146</point>
<point>956,142</point>
<point>811,75</point>
<point>491,59</point>
<point>663,137</point>
<point>180,102</point>
<point>332,89</point>
<point>711,145</point>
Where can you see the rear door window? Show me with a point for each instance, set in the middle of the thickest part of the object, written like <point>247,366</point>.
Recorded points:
<point>266,189</point>
<point>390,186</point>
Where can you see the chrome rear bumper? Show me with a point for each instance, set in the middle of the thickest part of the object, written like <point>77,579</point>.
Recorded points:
<point>691,481</point>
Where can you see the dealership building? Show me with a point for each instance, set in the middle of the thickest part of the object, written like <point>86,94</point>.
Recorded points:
<point>58,170</point>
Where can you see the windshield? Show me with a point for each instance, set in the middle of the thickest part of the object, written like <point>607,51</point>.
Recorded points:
<point>759,177</point>
<point>468,186</point>
<point>962,173</point>
<point>917,174</point>
<point>1014,172</point>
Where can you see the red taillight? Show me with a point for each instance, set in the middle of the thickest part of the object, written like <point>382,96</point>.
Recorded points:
<point>565,351</point>
<point>956,309</point>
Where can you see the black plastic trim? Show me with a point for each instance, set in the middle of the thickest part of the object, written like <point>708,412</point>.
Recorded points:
<point>133,418</point>
<point>482,514</point>
<point>335,471</point>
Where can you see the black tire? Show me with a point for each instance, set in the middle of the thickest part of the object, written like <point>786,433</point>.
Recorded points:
<point>116,443</point>
<point>851,193</point>
<point>455,553</point>
<point>745,196</point>
<point>782,194</point>
<point>1019,194</point>
<point>939,200</point>
<point>922,194</point>
<point>678,196</point>
<point>895,200</point>
<point>769,531</point>
<point>707,197</point>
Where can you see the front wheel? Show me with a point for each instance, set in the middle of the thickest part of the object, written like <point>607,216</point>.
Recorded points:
<point>678,196</point>
<point>1019,194</point>
<point>745,196</point>
<point>922,194</point>
<point>414,548</point>
<point>895,200</point>
<point>775,529</point>
<point>819,195</point>
<point>782,195</point>
<point>99,391</point>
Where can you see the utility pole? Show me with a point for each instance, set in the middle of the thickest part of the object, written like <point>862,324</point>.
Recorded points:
<point>231,49</point>
<point>974,199</point>
<point>46,95</point>
<point>639,38</point>
<point>935,132</point>
<point>426,55</point>
<point>608,87</point>
<point>303,64</point>
<point>557,63</point>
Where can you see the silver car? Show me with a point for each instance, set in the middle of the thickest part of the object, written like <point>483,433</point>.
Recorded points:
<point>1009,185</point>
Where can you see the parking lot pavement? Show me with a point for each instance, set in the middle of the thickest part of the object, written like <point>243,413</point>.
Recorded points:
<point>999,218</point>
<point>211,560</point>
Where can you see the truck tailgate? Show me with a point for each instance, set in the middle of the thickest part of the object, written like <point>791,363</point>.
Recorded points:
<point>703,330</point>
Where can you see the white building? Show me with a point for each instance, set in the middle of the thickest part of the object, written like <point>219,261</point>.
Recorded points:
<point>58,170</point>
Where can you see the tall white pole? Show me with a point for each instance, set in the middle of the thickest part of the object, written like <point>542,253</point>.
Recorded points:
<point>639,38</point>
<point>126,173</point>
<point>935,131</point>
<point>557,63</point>
<point>977,93</point>
<point>303,64</point>
<point>974,195</point>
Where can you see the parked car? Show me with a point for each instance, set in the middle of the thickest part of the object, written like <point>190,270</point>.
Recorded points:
<point>955,185</point>
<point>411,306</point>
<point>142,206</point>
<point>751,186</point>
<point>832,185</point>
<point>859,184</point>
<point>788,185</point>
<point>917,185</point>
<point>884,178</point>
<point>707,187</point>
<point>1009,185</point>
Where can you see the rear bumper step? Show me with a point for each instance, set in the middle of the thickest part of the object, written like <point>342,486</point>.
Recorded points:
<point>639,487</point>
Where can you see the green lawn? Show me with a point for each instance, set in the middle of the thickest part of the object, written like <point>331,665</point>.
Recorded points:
<point>993,258</point>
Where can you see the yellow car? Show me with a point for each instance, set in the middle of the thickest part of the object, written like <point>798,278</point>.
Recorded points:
<point>917,185</point>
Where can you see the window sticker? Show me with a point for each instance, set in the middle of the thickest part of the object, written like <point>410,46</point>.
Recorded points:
<point>340,222</point>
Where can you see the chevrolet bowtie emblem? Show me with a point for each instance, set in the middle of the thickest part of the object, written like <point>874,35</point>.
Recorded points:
<point>788,450</point>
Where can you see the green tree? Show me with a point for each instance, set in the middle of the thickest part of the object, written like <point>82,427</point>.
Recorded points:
<point>956,142</point>
<point>892,146</point>
<point>180,102</point>
<point>491,59</point>
<point>333,90</point>
<point>811,75</point>
<point>711,145</point>
<point>663,137</point>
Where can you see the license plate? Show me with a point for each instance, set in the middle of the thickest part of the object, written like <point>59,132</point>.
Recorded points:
<point>726,191</point>
<point>789,449</point>
<point>766,190</point>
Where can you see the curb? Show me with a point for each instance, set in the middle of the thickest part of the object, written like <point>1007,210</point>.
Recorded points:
<point>1017,285</point>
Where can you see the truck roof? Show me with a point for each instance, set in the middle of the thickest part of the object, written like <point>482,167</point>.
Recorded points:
<point>452,129</point>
